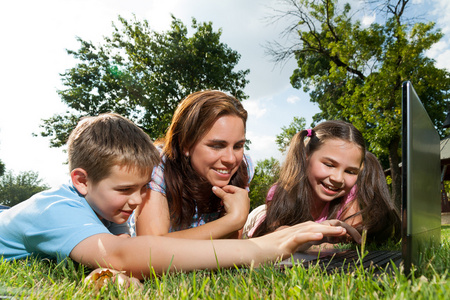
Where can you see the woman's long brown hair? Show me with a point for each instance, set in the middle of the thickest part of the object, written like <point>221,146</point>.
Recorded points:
<point>185,189</point>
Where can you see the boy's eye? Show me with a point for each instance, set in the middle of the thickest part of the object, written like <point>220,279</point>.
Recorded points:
<point>238,146</point>
<point>124,190</point>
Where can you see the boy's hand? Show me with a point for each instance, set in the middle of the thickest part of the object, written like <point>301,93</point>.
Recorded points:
<point>236,203</point>
<point>352,233</point>
<point>298,237</point>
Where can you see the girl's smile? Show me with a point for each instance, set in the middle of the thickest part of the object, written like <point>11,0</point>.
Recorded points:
<point>333,170</point>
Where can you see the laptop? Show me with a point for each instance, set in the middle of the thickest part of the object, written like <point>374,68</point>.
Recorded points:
<point>421,204</point>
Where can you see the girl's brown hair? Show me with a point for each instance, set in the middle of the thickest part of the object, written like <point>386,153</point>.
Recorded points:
<point>185,189</point>
<point>292,200</point>
<point>381,217</point>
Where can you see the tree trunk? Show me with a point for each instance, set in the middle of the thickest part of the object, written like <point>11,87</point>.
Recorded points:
<point>395,171</point>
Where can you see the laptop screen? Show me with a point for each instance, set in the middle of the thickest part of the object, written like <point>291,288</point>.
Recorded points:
<point>421,204</point>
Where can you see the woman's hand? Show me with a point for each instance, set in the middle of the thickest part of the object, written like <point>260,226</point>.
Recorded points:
<point>236,203</point>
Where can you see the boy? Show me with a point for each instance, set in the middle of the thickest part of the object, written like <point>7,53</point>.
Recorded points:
<point>111,161</point>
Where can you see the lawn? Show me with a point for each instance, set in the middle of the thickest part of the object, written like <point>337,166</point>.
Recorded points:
<point>44,280</point>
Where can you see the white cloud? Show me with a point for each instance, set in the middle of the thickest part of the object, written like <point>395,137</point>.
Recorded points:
<point>439,13</point>
<point>255,108</point>
<point>441,53</point>
<point>262,146</point>
<point>368,20</point>
<point>293,99</point>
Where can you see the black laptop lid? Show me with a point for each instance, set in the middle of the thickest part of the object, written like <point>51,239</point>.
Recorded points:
<point>421,205</point>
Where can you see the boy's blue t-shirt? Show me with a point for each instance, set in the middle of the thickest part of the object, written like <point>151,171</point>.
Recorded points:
<point>50,224</point>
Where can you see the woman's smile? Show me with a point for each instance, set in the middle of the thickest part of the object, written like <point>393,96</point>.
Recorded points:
<point>218,155</point>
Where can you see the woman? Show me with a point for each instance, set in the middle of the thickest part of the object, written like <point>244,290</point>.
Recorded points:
<point>202,152</point>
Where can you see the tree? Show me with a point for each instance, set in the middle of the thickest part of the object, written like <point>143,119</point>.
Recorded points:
<point>2,168</point>
<point>355,73</point>
<point>268,170</point>
<point>287,133</point>
<point>15,189</point>
<point>143,75</point>
<point>266,173</point>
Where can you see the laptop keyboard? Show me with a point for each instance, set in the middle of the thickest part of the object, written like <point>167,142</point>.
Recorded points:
<point>349,260</point>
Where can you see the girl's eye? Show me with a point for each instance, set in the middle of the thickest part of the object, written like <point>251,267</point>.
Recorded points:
<point>328,165</point>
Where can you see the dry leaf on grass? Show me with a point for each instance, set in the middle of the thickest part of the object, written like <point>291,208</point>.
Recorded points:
<point>101,276</point>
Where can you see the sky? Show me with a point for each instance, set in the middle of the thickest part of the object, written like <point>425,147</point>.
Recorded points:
<point>36,34</point>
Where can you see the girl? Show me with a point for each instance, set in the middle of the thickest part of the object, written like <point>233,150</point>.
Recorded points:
<point>318,182</point>
<point>203,148</point>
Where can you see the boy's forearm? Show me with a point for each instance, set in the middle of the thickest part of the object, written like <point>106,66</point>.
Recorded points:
<point>137,254</point>
<point>187,255</point>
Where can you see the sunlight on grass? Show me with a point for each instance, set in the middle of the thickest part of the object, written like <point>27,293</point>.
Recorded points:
<point>34,279</point>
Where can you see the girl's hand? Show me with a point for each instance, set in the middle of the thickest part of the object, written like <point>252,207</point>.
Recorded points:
<point>236,203</point>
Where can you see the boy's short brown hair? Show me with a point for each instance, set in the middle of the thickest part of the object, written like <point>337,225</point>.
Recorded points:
<point>99,143</point>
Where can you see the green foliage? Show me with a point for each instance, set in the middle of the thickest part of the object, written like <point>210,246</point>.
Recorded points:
<point>287,133</point>
<point>355,73</point>
<point>143,75</point>
<point>15,189</point>
<point>266,173</point>
<point>2,168</point>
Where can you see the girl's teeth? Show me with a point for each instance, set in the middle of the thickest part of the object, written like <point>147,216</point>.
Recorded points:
<point>223,171</point>
<point>331,188</point>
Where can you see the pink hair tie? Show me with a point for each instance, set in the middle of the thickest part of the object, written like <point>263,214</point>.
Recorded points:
<point>310,132</point>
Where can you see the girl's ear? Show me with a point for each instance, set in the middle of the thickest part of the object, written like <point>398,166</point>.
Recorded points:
<point>80,180</point>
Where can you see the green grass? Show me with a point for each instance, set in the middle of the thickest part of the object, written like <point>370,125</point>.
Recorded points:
<point>43,280</point>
